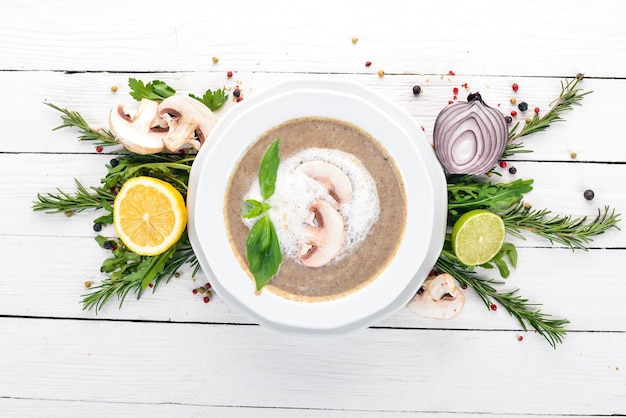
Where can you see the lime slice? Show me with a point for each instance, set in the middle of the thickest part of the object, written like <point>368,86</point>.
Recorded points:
<point>477,236</point>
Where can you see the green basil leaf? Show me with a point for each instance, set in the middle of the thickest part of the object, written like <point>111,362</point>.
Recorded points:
<point>268,170</point>
<point>253,208</point>
<point>263,251</point>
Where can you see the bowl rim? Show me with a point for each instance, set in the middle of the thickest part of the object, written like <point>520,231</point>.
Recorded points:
<point>338,315</point>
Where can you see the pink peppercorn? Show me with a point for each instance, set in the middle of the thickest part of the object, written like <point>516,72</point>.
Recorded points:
<point>515,87</point>
<point>503,164</point>
<point>455,90</point>
<point>494,307</point>
<point>513,113</point>
<point>98,149</point>
<point>229,74</point>
<point>206,299</point>
<point>368,63</point>
<point>537,110</point>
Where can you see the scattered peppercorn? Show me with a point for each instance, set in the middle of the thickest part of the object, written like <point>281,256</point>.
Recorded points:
<point>417,90</point>
<point>523,106</point>
<point>229,74</point>
<point>206,299</point>
<point>194,291</point>
<point>512,170</point>
<point>177,274</point>
<point>573,155</point>
<point>355,40</point>
<point>515,87</point>
<point>215,60</point>
<point>368,63</point>
<point>455,90</point>
<point>451,72</point>
<point>97,227</point>
<point>381,73</point>
<point>207,285</point>
<point>513,100</point>
<point>239,98</point>
<point>520,338</point>
<point>513,113</point>
<point>87,283</point>
<point>589,194</point>
<point>108,245</point>
<point>99,149</point>
<point>537,110</point>
<point>494,307</point>
<point>527,205</point>
<point>236,92</point>
<point>502,164</point>
<point>201,290</point>
<point>508,119</point>
<point>114,88</point>
<point>114,162</point>
<point>528,120</point>
<point>68,214</point>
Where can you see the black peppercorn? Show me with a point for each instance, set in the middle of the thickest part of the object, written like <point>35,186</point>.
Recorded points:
<point>589,194</point>
<point>512,170</point>
<point>417,90</point>
<point>97,227</point>
<point>236,92</point>
<point>508,119</point>
<point>114,162</point>
<point>523,106</point>
<point>108,245</point>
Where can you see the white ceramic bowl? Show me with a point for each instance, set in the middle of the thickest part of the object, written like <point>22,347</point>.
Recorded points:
<point>403,139</point>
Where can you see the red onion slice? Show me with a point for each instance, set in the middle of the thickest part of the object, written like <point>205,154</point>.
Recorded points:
<point>470,137</point>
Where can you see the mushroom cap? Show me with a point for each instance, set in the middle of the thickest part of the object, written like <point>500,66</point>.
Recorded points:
<point>141,131</point>
<point>332,177</point>
<point>326,239</point>
<point>189,121</point>
<point>439,298</point>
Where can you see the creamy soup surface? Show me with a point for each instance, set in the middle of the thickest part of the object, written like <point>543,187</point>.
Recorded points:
<point>360,263</point>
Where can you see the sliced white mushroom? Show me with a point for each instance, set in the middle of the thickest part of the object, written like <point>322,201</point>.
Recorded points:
<point>332,177</point>
<point>438,298</point>
<point>189,121</point>
<point>324,236</point>
<point>141,131</point>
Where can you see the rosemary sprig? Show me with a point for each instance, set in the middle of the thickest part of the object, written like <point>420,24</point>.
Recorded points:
<point>526,313</point>
<point>82,199</point>
<point>574,232</point>
<point>570,95</point>
<point>72,119</point>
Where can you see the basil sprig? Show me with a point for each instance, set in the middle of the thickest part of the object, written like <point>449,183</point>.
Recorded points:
<point>262,247</point>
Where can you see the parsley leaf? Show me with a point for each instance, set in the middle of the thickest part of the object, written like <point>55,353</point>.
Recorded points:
<point>212,99</point>
<point>154,90</point>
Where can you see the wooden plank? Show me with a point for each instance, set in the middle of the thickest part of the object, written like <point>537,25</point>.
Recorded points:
<point>32,408</point>
<point>587,130</point>
<point>567,284</point>
<point>372,370</point>
<point>316,37</point>
<point>558,187</point>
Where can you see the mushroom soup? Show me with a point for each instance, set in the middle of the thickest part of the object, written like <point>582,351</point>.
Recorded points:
<point>339,208</point>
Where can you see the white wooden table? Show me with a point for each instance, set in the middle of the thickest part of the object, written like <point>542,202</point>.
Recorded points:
<point>172,355</point>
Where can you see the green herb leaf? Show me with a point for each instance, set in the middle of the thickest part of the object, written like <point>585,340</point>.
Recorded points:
<point>268,170</point>
<point>213,99</point>
<point>263,251</point>
<point>253,208</point>
<point>154,90</point>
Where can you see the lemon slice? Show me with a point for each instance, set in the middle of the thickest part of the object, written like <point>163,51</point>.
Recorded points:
<point>149,215</point>
<point>477,236</point>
